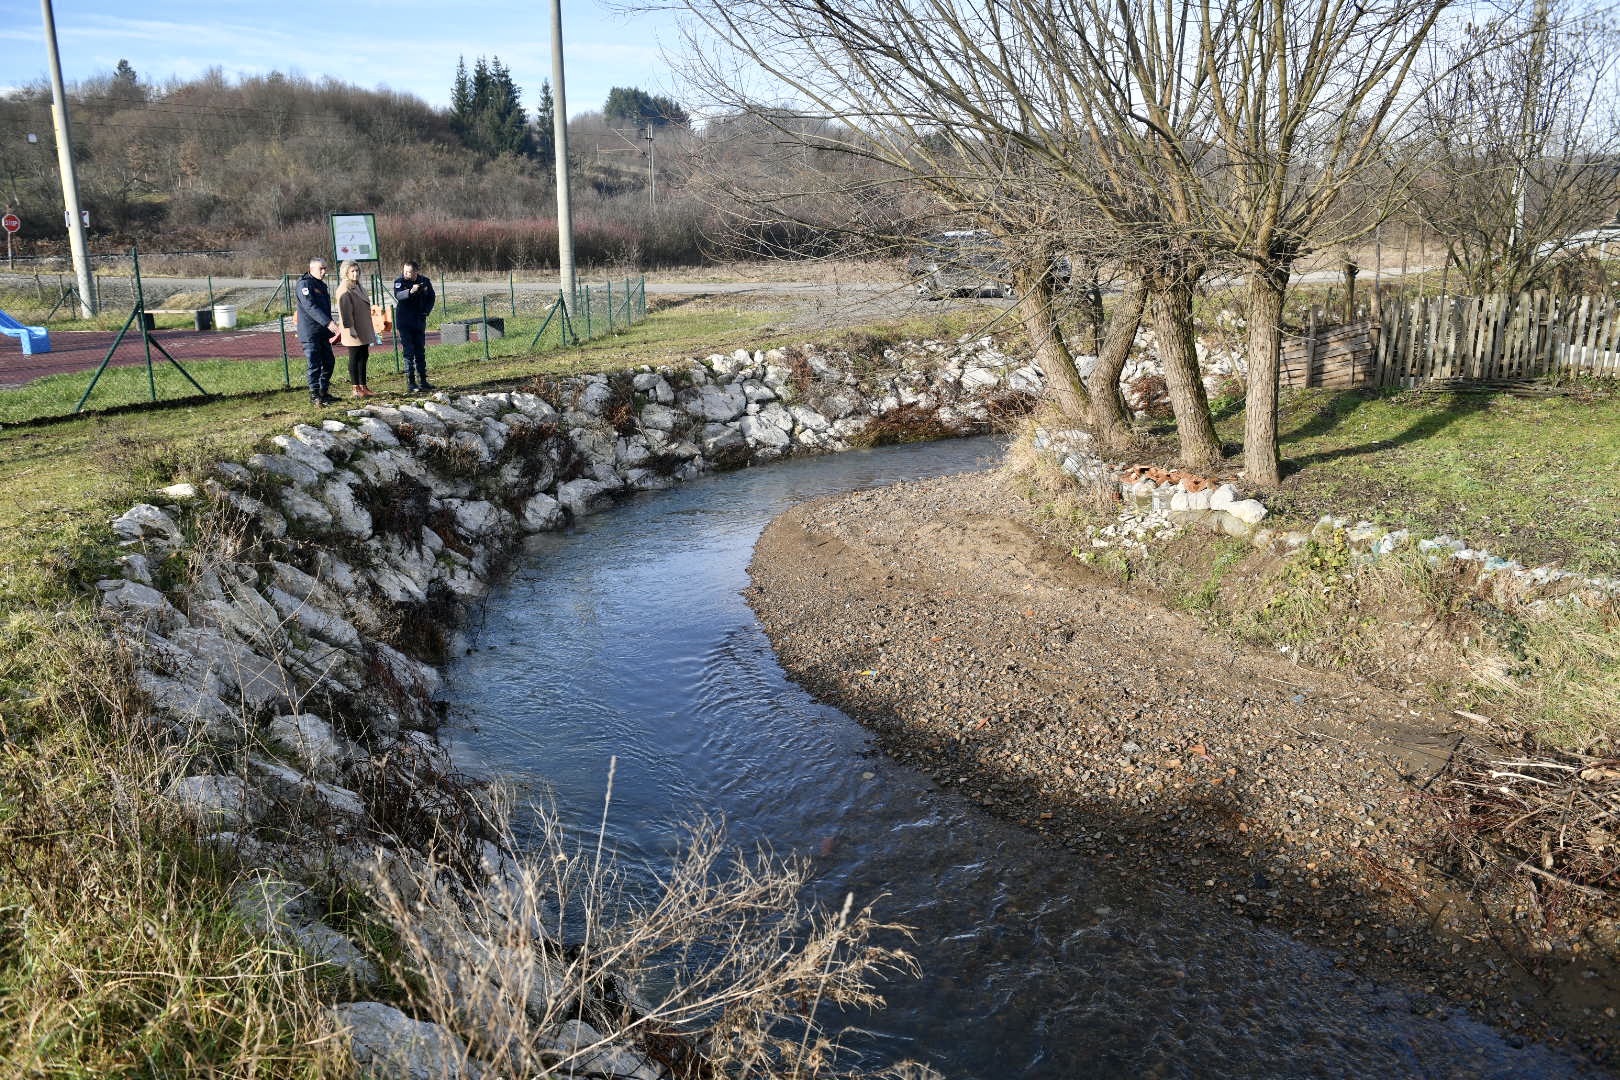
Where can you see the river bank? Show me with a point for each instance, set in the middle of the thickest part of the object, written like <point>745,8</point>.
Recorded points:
<point>938,615</point>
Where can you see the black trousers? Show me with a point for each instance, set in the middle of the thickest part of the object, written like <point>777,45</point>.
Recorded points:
<point>358,354</point>
<point>413,344</point>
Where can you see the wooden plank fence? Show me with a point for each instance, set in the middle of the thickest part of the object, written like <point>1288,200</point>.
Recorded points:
<point>1438,338</point>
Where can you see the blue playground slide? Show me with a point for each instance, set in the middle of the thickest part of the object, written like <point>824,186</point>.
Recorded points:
<point>34,339</point>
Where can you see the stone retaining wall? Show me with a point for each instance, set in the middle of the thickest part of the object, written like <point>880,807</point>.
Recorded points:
<point>285,613</point>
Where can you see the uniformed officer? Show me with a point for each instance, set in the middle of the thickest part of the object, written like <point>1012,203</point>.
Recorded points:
<point>414,293</point>
<point>316,331</point>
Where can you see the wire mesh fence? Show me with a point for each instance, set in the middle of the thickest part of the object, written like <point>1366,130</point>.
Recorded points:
<point>240,335</point>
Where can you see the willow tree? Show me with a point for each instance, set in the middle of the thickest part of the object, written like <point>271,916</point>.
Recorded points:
<point>1303,95</point>
<point>926,88</point>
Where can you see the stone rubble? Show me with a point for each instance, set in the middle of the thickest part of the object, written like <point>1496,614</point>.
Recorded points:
<point>316,583</point>
<point>1156,506</point>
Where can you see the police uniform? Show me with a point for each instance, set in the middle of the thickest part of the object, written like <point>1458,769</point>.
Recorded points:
<point>410,323</point>
<point>314,318</point>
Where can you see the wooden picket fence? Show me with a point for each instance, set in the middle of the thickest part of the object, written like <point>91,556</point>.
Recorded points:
<point>1441,339</point>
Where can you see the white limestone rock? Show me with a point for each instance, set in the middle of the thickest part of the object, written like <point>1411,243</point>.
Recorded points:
<point>449,415</point>
<point>422,421</point>
<point>199,654</point>
<point>318,439</point>
<point>283,465</point>
<point>145,523</point>
<point>311,742</point>
<point>583,497</point>
<point>657,417</point>
<point>304,508</point>
<point>532,405</point>
<point>135,604</point>
<point>218,802</point>
<point>716,404</point>
<point>1248,511</point>
<point>314,620</point>
<point>808,419</point>
<point>1223,496</point>
<point>378,432</point>
<point>347,513</point>
<point>591,1054</point>
<point>304,454</point>
<point>763,434</point>
<point>388,1045</point>
<point>542,513</point>
<point>286,784</point>
<point>287,915</point>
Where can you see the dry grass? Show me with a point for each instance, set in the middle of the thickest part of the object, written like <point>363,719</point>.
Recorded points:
<point>115,959</point>
<point>719,969</point>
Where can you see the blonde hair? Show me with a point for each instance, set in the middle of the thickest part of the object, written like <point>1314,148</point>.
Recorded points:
<point>344,284</point>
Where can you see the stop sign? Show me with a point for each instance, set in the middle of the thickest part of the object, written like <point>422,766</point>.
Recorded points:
<point>11,222</point>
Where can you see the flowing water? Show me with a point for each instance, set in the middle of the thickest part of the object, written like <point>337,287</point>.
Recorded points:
<point>627,637</point>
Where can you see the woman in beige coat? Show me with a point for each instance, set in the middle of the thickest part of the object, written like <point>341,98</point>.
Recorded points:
<point>354,325</point>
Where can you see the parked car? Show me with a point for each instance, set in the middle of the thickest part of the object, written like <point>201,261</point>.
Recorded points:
<point>965,262</point>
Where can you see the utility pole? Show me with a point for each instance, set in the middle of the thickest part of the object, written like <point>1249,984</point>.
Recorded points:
<point>652,172</point>
<point>559,128</point>
<point>64,161</point>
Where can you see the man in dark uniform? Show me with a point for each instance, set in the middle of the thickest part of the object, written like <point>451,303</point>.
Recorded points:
<point>414,293</point>
<point>315,331</point>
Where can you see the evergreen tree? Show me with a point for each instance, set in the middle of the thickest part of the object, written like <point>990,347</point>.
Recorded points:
<point>545,132</point>
<point>461,101</point>
<point>487,110</point>
<point>634,107</point>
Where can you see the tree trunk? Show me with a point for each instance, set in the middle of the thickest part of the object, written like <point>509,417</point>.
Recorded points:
<point>1089,308</point>
<point>1267,284</point>
<point>1107,404</point>
<point>1170,307</point>
<point>1063,383</point>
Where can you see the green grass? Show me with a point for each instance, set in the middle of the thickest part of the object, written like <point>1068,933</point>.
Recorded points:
<point>1535,479</point>
<point>117,954</point>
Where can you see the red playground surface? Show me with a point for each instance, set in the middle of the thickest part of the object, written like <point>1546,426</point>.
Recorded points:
<point>82,350</point>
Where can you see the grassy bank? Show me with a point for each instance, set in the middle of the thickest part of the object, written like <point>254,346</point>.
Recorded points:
<point>1532,479</point>
<point>117,957</point>
<point>118,954</point>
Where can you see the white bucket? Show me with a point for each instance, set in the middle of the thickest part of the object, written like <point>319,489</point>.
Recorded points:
<point>224,316</point>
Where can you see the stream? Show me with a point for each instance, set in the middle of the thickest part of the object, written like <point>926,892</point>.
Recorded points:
<point>626,637</point>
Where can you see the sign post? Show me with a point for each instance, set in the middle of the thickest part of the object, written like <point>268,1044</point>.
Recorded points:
<point>354,236</point>
<point>11,223</point>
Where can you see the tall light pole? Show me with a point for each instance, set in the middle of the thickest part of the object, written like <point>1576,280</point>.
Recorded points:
<point>559,128</point>
<point>64,162</point>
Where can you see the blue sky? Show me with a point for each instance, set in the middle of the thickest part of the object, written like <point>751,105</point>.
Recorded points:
<point>405,45</point>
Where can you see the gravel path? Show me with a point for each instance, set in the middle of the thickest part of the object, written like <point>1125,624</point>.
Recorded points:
<point>934,613</point>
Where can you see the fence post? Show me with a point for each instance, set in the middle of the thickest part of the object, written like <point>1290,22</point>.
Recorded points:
<point>610,304</point>
<point>511,291</point>
<point>286,369</point>
<point>587,313</point>
<point>483,328</point>
<point>210,291</point>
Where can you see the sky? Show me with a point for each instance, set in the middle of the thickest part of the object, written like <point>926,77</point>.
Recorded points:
<point>405,45</point>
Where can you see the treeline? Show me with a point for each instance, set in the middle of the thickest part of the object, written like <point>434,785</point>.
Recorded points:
<point>258,163</point>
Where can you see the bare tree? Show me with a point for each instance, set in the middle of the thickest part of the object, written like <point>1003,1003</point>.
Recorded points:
<point>900,74</point>
<point>1513,166</point>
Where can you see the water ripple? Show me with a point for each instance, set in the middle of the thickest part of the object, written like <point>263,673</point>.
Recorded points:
<point>628,637</point>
